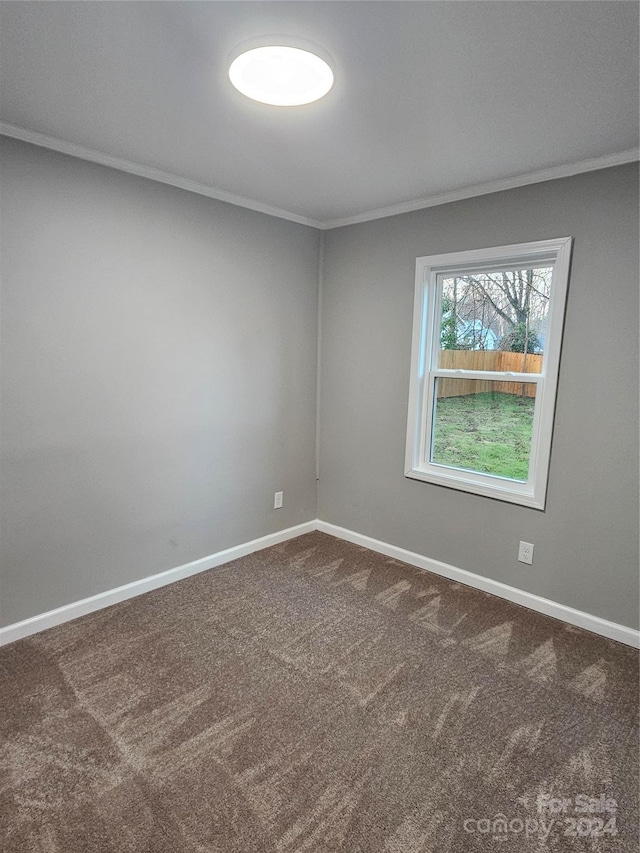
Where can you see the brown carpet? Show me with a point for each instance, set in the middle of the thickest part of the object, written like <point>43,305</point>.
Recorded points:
<point>317,697</point>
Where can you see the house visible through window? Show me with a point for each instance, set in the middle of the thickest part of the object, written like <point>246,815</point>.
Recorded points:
<point>486,351</point>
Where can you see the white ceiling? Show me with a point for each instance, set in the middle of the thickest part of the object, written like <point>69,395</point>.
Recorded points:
<point>431,98</point>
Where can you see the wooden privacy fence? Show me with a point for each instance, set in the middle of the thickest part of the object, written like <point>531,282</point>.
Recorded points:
<point>486,360</point>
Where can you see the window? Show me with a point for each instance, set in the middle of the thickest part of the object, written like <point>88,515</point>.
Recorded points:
<point>486,352</point>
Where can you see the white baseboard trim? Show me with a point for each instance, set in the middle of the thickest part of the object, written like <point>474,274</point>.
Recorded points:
<point>612,630</point>
<point>35,624</point>
<point>38,623</point>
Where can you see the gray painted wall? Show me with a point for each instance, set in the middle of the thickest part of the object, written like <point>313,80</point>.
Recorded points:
<point>159,373</point>
<point>158,377</point>
<point>586,542</point>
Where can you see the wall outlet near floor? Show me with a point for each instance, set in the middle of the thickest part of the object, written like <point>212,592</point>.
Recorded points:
<point>278,499</point>
<point>525,553</point>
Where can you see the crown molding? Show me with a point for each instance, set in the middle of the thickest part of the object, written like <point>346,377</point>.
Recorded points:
<point>142,171</point>
<point>565,171</point>
<point>94,156</point>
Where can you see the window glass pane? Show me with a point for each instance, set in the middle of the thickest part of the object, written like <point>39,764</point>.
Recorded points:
<point>495,320</point>
<point>483,426</point>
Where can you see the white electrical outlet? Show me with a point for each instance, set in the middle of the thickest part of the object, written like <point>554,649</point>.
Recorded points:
<point>525,553</point>
<point>278,500</point>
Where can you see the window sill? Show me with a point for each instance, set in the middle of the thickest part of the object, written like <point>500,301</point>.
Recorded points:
<point>474,485</point>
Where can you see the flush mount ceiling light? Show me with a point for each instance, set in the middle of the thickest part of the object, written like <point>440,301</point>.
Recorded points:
<point>281,76</point>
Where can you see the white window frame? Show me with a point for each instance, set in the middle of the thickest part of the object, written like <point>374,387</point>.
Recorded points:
<point>424,368</point>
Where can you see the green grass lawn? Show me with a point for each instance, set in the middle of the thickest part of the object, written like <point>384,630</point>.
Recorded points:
<point>488,433</point>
